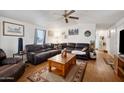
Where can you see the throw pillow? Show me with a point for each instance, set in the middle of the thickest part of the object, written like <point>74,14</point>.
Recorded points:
<point>84,49</point>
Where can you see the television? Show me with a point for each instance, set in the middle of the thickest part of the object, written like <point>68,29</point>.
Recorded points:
<point>121,46</point>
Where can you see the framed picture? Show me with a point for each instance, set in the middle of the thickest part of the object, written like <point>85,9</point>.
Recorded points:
<point>13,29</point>
<point>73,32</point>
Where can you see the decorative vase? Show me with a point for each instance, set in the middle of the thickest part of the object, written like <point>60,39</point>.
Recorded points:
<point>64,52</point>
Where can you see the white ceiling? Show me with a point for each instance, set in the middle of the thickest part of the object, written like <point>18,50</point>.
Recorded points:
<point>103,18</point>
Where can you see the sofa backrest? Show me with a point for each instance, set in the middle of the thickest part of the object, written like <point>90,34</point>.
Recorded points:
<point>80,46</point>
<point>32,47</point>
<point>71,45</point>
<point>64,45</point>
<point>48,45</point>
<point>77,46</point>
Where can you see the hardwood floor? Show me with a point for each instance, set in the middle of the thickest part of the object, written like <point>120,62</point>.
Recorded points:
<point>99,71</point>
<point>31,69</point>
<point>96,71</point>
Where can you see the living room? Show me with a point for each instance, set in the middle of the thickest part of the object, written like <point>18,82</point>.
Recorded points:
<point>88,38</point>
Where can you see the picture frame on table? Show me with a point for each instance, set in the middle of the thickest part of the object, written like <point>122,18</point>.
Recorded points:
<point>13,29</point>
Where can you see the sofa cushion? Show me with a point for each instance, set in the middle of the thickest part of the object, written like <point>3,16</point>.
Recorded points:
<point>40,57</point>
<point>10,61</point>
<point>64,45</point>
<point>71,45</point>
<point>11,72</point>
<point>39,51</point>
<point>42,50</point>
<point>54,52</point>
<point>48,49</point>
<point>36,58</point>
<point>49,45</point>
<point>84,49</point>
<point>69,50</point>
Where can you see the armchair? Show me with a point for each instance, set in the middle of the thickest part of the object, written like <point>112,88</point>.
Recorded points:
<point>10,68</point>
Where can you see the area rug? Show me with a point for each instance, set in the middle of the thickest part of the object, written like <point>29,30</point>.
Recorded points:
<point>75,75</point>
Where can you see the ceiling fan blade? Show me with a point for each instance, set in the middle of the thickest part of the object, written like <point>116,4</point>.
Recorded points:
<point>66,20</point>
<point>67,14</point>
<point>74,17</point>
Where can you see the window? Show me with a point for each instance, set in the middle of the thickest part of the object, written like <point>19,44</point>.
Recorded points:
<point>39,36</point>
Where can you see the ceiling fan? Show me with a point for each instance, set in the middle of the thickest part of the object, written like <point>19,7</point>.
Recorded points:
<point>68,15</point>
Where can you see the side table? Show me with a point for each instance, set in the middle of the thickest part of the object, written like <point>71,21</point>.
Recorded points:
<point>19,55</point>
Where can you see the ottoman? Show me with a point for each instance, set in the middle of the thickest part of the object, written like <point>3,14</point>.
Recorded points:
<point>80,54</point>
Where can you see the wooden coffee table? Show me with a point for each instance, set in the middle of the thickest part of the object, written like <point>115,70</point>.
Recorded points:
<point>61,65</point>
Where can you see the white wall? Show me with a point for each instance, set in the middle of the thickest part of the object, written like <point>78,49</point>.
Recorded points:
<point>114,39</point>
<point>73,38</point>
<point>10,43</point>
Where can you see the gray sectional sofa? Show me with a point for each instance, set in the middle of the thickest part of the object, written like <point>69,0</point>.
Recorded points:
<point>76,46</point>
<point>37,54</point>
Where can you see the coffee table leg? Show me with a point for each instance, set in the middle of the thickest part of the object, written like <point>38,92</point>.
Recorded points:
<point>49,66</point>
<point>74,61</point>
<point>63,71</point>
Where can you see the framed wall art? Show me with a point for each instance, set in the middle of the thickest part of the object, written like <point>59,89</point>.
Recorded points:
<point>73,32</point>
<point>87,33</point>
<point>13,29</point>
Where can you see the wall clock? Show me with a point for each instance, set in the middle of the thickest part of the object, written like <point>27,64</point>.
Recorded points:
<point>87,33</point>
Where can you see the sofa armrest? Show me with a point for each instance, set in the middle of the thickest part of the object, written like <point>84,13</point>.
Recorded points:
<point>11,72</point>
<point>30,56</point>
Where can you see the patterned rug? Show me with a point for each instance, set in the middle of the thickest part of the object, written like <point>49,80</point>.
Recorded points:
<point>75,75</point>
